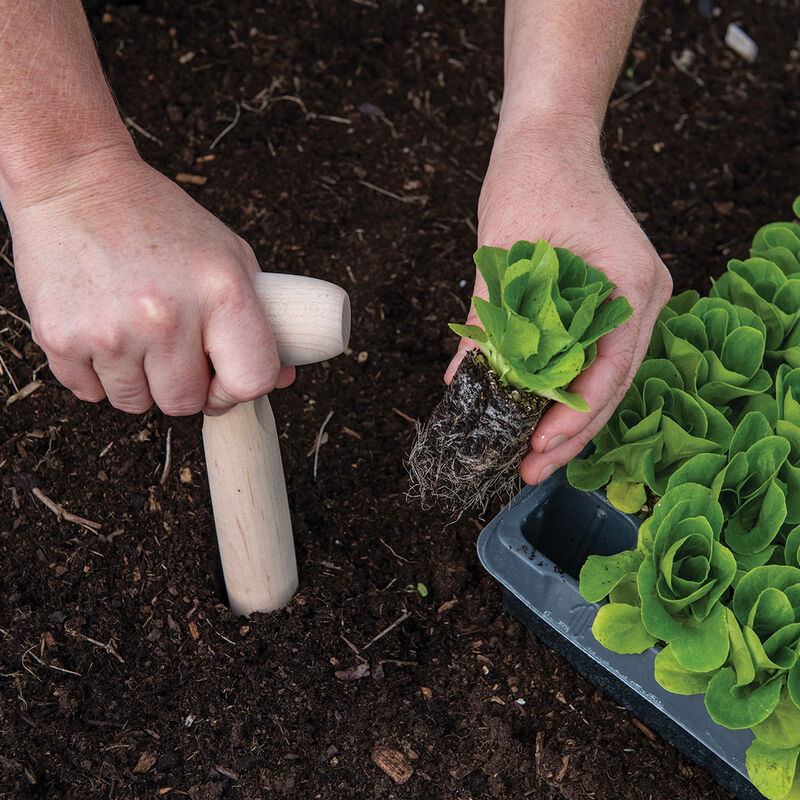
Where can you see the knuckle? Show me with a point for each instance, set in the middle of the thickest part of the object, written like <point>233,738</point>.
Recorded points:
<point>129,393</point>
<point>247,251</point>
<point>182,407</point>
<point>664,286</point>
<point>249,388</point>
<point>89,397</point>
<point>52,336</point>
<point>157,313</point>
<point>138,406</point>
<point>226,288</point>
<point>107,339</point>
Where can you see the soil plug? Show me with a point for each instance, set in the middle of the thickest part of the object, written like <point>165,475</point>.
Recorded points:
<point>546,310</point>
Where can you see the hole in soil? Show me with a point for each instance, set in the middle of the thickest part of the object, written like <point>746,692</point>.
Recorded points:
<point>571,525</point>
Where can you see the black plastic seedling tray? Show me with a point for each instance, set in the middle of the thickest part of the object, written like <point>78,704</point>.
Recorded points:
<point>535,548</point>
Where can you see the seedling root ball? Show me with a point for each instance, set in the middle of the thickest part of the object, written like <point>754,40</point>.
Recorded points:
<point>469,450</point>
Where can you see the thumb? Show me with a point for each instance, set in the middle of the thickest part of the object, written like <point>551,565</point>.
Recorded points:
<point>241,347</point>
<point>465,345</point>
<point>564,432</point>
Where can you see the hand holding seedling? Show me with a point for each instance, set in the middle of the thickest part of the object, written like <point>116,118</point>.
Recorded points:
<point>546,179</point>
<point>130,285</point>
<point>587,216</point>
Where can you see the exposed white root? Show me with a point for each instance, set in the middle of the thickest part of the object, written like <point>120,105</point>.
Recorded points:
<point>468,452</point>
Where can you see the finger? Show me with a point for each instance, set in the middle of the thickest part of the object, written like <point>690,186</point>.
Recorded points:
<point>465,345</point>
<point>285,377</point>
<point>124,382</point>
<point>179,379</point>
<point>78,377</point>
<point>564,432</point>
<point>241,347</point>
<point>604,382</point>
<point>536,467</point>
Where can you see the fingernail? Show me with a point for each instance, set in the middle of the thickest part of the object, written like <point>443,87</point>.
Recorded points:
<point>554,442</point>
<point>547,472</point>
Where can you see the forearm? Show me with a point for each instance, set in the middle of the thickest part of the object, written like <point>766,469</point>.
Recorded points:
<point>562,58</point>
<point>56,108</point>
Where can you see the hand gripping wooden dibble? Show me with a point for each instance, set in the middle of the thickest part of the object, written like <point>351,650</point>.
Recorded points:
<point>310,321</point>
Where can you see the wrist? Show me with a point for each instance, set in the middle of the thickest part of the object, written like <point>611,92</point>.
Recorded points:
<point>546,143</point>
<point>37,177</point>
<point>539,118</point>
<point>545,167</point>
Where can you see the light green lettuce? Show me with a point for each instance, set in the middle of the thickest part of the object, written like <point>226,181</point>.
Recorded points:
<point>546,310</point>
<point>656,428</point>
<point>717,347</point>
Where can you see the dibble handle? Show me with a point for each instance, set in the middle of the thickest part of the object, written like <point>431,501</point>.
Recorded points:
<point>310,321</point>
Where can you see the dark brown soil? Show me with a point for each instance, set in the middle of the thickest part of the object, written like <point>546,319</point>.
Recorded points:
<point>122,673</point>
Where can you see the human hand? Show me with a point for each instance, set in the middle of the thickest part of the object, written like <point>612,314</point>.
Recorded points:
<point>132,287</point>
<point>550,183</point>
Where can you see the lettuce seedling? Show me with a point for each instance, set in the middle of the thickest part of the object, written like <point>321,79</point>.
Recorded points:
<point>760,285</point>
<point>683,576</point>
<point>717,347</point>
<point>682,571</point>
<point>766,609</point>
<point>748,481</point>
<point>780,242</point>
<point>656,428</point>
<point>546,310</point>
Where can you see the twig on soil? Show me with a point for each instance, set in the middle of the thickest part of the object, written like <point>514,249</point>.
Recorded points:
<point>644,729</point>
<point>24,392</point>
<point>234,776</point>
<point>405,416</point>
<point>236,116</point>
<point>109,648</point>
<point>351,645</point>
<point>5,312</point>
<point>264,98</point>
<point>38,660</point>
<point>6,258</point>
<point>471,174</point>
<point>23,703</point>
<point>167,458</point>
<point>409,198</point>
<point>319,442</point>
<point>396,555</point>
<point>135,125</point>
<point>329,118</point>
<point>681,67</point>
<point>4,368</point>
<point>62,512</point>
<point>618,101</point>
<point>399,621</point>
<point>225,638</point>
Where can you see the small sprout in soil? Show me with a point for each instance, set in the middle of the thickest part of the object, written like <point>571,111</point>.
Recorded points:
<point>546,310</point>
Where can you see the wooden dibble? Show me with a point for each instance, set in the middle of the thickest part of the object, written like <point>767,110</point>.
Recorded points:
<point>310,321</point>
